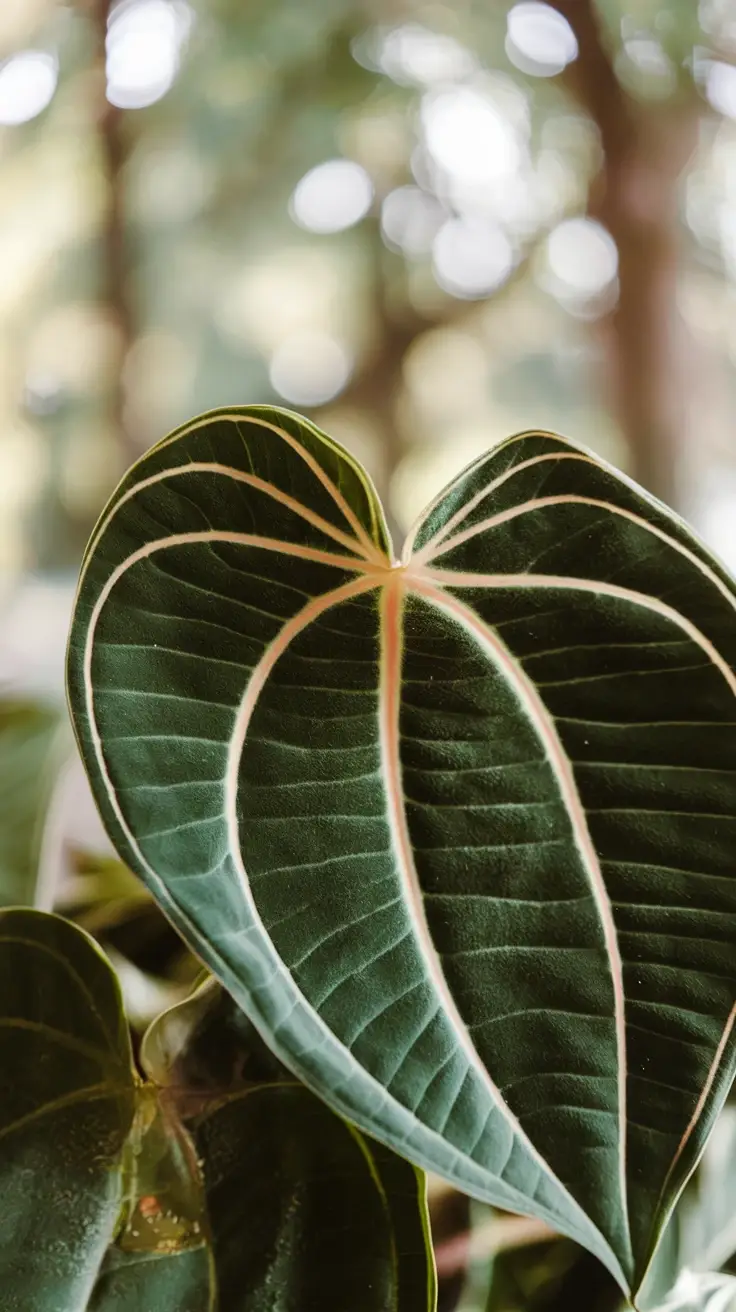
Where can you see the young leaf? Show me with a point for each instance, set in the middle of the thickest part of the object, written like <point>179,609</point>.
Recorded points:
<point>457,831</point>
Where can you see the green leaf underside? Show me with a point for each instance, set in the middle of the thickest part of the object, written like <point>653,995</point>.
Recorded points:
<point>458,835</point>
<point>102,1203</point>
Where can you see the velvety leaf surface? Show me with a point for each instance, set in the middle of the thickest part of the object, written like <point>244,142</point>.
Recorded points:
<point>457,831</point>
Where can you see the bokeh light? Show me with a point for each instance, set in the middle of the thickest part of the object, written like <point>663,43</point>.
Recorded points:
<point>410,220</point>
<point>446,373</point>
<point>309,368</point>
<point>414,54</point>
<point>470,258</point>
<point>468,136</point>
<point>539,39</point>
<point>332,196</point>
<point>657,75</point>
<point>144,42</point>
<point>27,85</point>
<point>581,258</point>
<point>299,289</point>
<point>720,88</point>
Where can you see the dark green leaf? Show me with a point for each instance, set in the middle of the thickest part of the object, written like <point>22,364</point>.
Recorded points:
<point>67,1098</point>
<point>104,1204</point>
<point>152,1282</point>
<point>459,832</point>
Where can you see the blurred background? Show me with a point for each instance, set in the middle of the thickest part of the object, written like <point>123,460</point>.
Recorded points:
<point>427,225</point>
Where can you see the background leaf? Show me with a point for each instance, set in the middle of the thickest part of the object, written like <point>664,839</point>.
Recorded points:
<point>103,1202</point>
<point>298,1201</point>
<point>699,1292</point>
<point>131,1282</point>
<point>701,1235</point>
<point>67,1103</point>
<point>30,755</point>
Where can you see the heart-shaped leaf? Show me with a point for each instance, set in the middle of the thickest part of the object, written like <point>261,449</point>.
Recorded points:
<point>221,1182</point>
<point>458,831</point>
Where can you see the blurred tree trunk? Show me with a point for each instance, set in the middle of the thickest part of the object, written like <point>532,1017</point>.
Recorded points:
<point>635,196</point>
<point>62,529</point>
<point>115,289</point>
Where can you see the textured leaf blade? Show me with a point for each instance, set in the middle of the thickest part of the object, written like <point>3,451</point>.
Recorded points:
<point>200,760</point>
<point>427,823</point>
<point>624,626</point>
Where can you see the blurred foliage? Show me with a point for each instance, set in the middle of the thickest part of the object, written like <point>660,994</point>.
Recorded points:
<point>549,1278</point>
<point>153,266</point>
<point>28,746</point>
<point>51,858</point>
